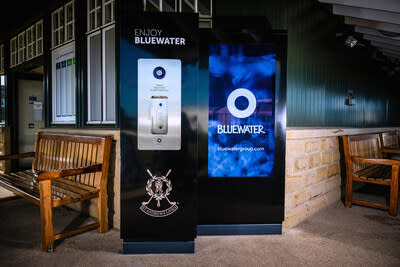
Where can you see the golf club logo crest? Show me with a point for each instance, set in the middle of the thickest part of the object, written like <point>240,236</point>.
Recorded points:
<point>158,188</point>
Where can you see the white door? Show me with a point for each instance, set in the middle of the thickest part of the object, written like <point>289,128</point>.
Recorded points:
<point>30,116</point>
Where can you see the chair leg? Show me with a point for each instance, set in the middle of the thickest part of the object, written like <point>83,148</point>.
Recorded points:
<point>46,215</point>
<point>349,192</point>
<point>102,214</point>
<point>394,191</point>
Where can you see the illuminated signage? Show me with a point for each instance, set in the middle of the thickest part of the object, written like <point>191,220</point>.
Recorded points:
<point>241,110</point>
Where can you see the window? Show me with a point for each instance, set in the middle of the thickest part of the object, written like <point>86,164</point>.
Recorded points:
<point>39,37</point>
<point>2,99</point>
<point>13,52</point>
<point>101,62</point>
<point>30,42</point>
<point>21,47</point>
<point>203,7</point>
<point>63,25</point>
<point>63,84</point>
<point>2,59</point>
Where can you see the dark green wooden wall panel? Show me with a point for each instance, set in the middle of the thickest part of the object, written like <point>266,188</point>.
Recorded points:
<point>321,70</point>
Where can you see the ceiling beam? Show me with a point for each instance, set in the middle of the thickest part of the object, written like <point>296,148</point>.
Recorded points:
<point>388,5</point>
<point>366,13</point>
<point>383,45</point>
<point>391,55</point>
<point>389,51</point>
<point>377,25</point>
<point>373,32</point>
<point>381,39</point>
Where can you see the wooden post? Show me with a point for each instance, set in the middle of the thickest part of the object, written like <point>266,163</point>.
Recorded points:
<point>46,215</point>
<point>102,201</point>
<point>394,191</point>
<point>349,172</point>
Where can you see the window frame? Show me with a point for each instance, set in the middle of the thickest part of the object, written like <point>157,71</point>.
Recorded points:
<point>21,47</point>
<point>39,37</point>
<point>205,21</point>
<point>13,52</point>
<point>30,44</point>
<point>101,30</point>
<point>62,29</point>
<point>2,59</point>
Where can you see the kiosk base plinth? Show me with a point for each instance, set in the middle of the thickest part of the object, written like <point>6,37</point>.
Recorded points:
<point>177,247</point>
<point>239,229</point>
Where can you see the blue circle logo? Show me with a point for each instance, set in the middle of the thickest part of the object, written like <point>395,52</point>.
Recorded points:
<point>159,73</point>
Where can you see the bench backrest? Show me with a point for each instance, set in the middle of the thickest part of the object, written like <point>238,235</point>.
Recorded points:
<point>60,151</point>
<point>366,145</point>
<point>390,139</point>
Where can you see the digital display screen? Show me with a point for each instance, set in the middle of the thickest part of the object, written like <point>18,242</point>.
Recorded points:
<point>241,110</point>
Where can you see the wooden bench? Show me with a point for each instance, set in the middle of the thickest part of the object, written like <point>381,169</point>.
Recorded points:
<point>65,169</point>
<point>390,144</point>
<point>365,163</point>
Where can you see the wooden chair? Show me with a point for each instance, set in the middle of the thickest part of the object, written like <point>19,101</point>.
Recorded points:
<point>390,143</point>
<point>364,163</point>
<point>65,169</point>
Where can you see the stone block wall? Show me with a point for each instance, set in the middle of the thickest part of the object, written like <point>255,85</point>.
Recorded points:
<point>5,147</point>
<point>312,177</point>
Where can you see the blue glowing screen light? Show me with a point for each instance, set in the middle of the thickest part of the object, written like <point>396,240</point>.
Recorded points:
<point>241,110</point>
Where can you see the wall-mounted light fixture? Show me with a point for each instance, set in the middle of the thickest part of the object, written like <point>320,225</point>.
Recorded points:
<point>350,101</point>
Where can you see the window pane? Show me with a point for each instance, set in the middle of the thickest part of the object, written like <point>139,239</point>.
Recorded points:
<point>61,37</point>
<point>168,5</point>
<point>188,6</point>
<point>91,4</point>
<point>204,7</point>
<point>152,5</point>
<point>98,17</point>
<point>110,74</point>
<point>95,90</point>
<point>107,14</point>
<point>92,21</point>
<point>69,13</point>
<point>39,47</point>
<point>70,32</point>
<point>55,21</point>
<point>39,31</point>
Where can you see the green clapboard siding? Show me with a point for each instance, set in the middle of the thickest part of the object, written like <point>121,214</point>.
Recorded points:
<point>321,70</point>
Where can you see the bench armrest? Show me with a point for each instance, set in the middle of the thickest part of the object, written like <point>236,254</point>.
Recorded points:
<point>390,162</point>
<point>54,174</point>
<point>18,156</point>
<point>391,150</point>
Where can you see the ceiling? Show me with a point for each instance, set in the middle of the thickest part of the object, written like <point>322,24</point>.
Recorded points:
<point>376,21</point>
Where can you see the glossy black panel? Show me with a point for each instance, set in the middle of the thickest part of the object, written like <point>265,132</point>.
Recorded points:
<point>235,200</point>
<point>135,224</point>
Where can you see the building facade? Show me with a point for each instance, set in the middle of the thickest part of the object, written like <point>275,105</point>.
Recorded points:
<point>59,72</point>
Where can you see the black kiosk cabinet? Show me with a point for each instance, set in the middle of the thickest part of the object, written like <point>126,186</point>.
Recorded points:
<point>203,127</point>
<point>158,120</point>
<point>242,127</point>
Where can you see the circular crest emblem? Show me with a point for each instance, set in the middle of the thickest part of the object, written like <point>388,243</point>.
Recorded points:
<point>157,192</point>
<point>159,72</point>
